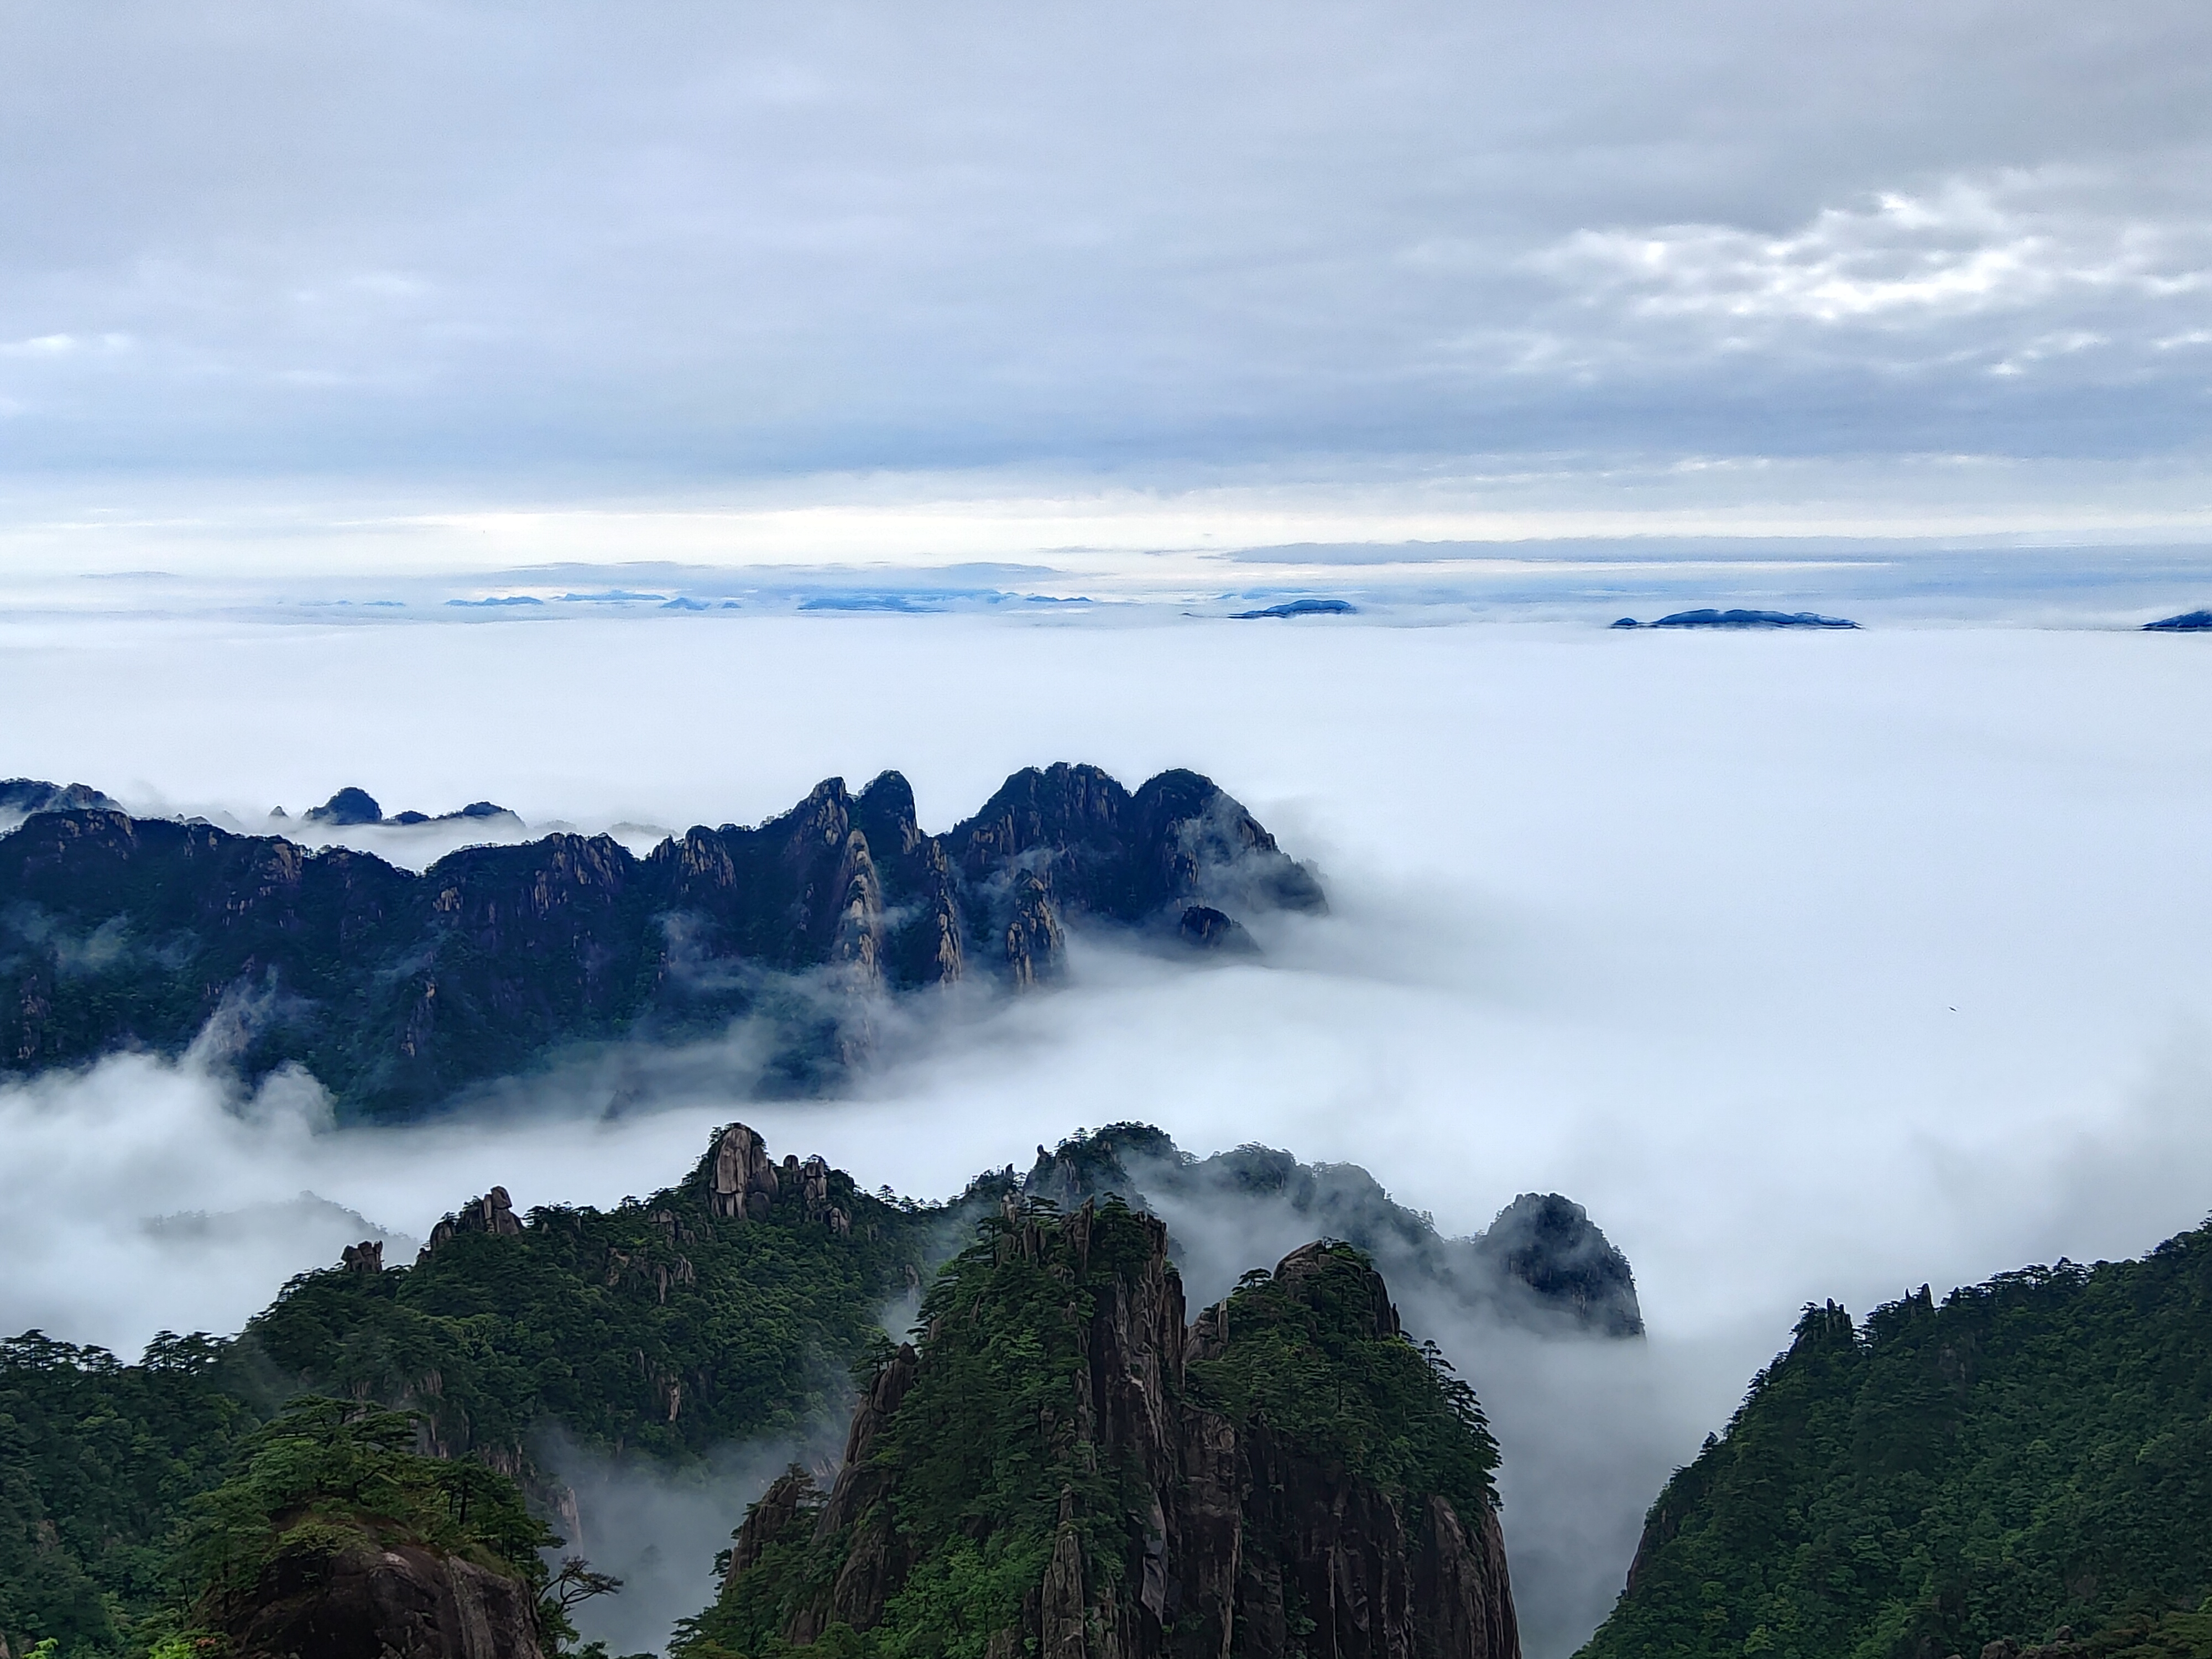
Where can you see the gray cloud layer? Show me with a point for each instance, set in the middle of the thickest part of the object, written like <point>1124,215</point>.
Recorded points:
<point>569,248</point>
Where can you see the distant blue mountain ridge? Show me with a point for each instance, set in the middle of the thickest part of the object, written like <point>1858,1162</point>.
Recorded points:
<point>1301,608</point>
<point>1710,618</point>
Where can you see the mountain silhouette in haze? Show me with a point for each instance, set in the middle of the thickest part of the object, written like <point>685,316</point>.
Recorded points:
<point>398,990</point>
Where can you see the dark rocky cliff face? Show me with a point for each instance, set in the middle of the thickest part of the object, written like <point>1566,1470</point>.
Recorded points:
<point>399,1602</point>
<point>400,990</point>
<point>1063,1468</point>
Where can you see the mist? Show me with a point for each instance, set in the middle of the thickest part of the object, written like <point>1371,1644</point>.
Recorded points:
<point>1813,967</point>
<point>657,1529</point>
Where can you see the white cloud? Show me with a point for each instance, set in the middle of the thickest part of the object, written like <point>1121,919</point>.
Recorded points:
<point>2024,247</point>
<point>1813,966</point>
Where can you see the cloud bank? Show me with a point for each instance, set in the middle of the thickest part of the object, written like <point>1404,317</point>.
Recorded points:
<point>1812,966</point>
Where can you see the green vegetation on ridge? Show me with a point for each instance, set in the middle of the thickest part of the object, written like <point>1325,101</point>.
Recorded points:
<point>658,1327</point>
<point>2034,1454</point>
<point>326,1478</point>
<point>655,1326</point>
<point>97,1460</point>
<point>999,1451</point>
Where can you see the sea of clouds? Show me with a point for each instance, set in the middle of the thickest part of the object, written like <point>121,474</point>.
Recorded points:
<point>1814,966</point>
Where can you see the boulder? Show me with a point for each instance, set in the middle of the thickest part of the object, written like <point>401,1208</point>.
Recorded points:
<point>1205,928</point>
<point>397,1602</point>
<point>744,1184</point>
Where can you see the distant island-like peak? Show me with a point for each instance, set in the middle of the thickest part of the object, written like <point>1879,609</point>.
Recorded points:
<point>1712,618</point>
<point>1290,608</point>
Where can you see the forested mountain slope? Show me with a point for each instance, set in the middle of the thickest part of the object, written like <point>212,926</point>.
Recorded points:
<point>726,1308</point>
<point>2029,1456</point>
<point>1065,1469</point>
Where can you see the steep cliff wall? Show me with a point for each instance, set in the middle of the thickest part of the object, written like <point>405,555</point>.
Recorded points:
<point>1062,1467</point>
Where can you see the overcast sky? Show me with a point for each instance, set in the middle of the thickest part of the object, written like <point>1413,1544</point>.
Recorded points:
<point>1900,266</point>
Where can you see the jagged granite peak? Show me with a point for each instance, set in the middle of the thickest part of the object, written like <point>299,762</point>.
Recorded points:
<point>366,1257</point>
<point>400,990</point>
<point>492,1214</point>
<point>1099,849</point>
<point>1542,1260</point>
<point>745,1183</point>
<point>1062,1466</point>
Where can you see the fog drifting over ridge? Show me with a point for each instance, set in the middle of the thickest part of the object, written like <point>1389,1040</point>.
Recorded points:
<point>1597,899</point>
<point>1813,966</point>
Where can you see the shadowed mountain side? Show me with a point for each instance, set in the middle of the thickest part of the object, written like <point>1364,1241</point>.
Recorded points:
<point>1062,1468</point>
<point>1542,1261</point>
<point>400,990</point>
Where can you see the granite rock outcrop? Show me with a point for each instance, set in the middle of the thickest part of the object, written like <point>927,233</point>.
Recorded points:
<point>1163,1505</point>
<point>396,1601</point>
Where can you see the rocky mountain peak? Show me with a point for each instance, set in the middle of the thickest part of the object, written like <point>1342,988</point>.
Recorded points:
<point>1543,1260</point>
<point>492,1214</point>
<point>745,1182</point>
<point>885,811</point>
<point>401,990</point>
<point>1141,1496</point>
<point>348,807</point>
